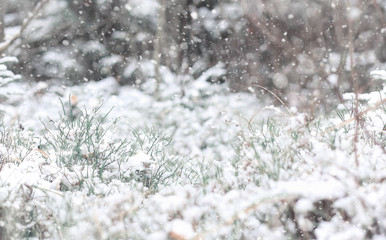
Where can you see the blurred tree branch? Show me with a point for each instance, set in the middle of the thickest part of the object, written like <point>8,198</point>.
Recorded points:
<point>4,45</point>
<point>3,7</point>
<point>158,42</point>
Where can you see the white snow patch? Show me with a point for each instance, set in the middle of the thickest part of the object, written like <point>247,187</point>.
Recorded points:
<point>181,228</point>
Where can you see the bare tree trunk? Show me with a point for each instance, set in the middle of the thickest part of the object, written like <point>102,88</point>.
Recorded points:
<point>158,42</point>
<point>3,5</point>
<point>185,44</point>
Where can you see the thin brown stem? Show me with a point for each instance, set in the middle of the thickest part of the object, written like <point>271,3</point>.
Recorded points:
<point>354,78</point>
<point>379,11</point>
<point>276,97</point>
<point>361,114</point>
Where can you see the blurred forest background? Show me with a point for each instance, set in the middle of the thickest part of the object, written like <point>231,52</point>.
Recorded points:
<point>308,52</point>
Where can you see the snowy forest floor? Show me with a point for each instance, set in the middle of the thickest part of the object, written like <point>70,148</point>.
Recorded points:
<point>207,165</point>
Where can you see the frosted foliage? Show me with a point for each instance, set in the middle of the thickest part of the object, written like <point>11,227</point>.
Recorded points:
<point>378,74</point>
<point>193,119</point>
<point>234,167</point>
<point>7,76</point>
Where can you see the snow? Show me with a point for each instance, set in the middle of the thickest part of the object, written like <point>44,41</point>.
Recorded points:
<point>333,79</point>
<point>233,168</point>
<point>94,47</point>
<point>314,190</point>
<point>139,160</point>
<point>304,206</point>
<point>180,228</point>
<point>142,8</point>
<point>378,74</point>
<point>8,59</point>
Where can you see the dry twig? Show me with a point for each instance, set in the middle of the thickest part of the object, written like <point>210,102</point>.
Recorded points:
<point>276,97</point>
<point>359,115</point>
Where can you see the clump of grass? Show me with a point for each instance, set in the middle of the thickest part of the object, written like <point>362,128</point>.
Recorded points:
<point>163,166</point>
<point>15,144</point>
<point>79,138</point>
<point>83,139</point>
<point>266,149</point>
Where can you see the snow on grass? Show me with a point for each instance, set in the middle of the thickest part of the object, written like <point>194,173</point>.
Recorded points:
<point>206,164</point>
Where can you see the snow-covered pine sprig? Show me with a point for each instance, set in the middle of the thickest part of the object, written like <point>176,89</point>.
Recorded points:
<point>7,76</point>
<point>378,74</point>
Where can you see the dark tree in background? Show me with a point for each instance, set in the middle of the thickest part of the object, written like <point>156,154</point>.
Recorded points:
<point>2,13</point>
<point>300,49</point>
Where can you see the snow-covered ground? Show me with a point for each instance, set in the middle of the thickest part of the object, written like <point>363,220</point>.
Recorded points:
<point>205,164</point>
